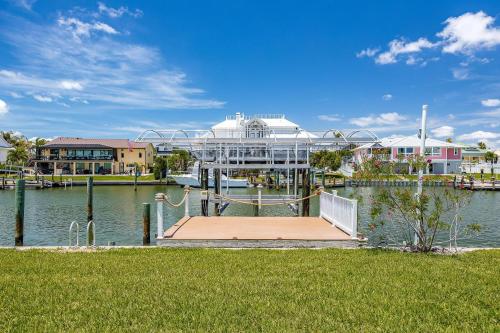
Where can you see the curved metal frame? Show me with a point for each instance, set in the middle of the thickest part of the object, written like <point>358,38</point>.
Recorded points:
<point>372,135</point>
<point>77,232</point>
<point>91,223</point>
<point>335,132</point>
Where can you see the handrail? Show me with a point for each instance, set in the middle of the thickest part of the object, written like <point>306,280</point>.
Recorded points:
<point>91,224</point>
<point>77,232</point>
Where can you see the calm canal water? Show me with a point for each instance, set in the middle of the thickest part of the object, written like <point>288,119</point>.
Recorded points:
<point>118,213</point>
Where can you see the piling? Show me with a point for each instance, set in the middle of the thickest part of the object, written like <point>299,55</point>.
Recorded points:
<point>3,183</point>
<point>217,181</point>
<point>306,191</point>
<point>204,190</point>
<point>135,180</point>
<point>146,223</point>
<point>20,186</point>
<point>90,207</point>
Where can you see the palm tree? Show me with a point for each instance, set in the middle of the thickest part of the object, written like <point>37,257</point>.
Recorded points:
<point>17,156</point>
<point>490,157</point>
<point>481,145</point>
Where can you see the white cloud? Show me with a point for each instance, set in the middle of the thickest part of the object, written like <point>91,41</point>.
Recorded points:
<point>79,28</point>
<point>326,117</point>
<point>460,73</point>
<point>387,97</point>
<point>492,102</point>
<point>367,53</point>
<point>478,136</point>
<point>43,99</point>
<point>391,118</point>
<point>118,12</point>
<point>400,46</point>
<point>71,85</point>
<point>26,4</point>
<point>110,71</point>
<point>4,108</point>
<point>443,132</point>
<point>15,95</point>
<point>469,32</point>
<point>465,34</point>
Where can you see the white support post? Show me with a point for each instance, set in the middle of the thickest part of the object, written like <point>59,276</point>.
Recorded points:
<point>334,192</point>
<point>186,201</point>
<point>354,222</point>
<point>422,154</point>
<point>159,214</point>
<point>259,195</point>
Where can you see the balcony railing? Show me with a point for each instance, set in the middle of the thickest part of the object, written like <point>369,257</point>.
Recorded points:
<point>74,158</point>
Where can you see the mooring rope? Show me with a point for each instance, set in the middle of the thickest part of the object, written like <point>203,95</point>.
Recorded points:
<point>164,197</point>
<point>221,196</point>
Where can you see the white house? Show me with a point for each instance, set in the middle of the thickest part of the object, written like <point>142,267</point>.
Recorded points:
<point>259,126</point>
<point>4,149</point>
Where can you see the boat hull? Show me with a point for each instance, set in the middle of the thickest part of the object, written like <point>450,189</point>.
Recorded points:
<point>193,181</point>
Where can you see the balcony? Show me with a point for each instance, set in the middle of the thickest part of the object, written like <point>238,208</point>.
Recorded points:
<point>73,158</point>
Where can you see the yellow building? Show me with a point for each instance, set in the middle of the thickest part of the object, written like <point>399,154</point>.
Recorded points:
<point>79,156</point>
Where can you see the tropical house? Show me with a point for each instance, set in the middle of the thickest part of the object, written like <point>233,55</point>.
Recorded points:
<point>442,157</point>
<point>93,156</point>
<point>4,149</point>
<point>473,155</point>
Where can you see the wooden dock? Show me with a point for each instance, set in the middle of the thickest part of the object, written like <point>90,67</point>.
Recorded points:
<point>255,232</point>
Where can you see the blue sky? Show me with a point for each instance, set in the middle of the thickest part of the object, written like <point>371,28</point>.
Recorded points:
<point>115,68</point>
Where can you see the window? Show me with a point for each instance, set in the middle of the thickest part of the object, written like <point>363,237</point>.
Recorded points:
<point>433,151</point>
<point>455,151</point>
<point>140,155</point>
<point>405,150</point>
<point>123,155</point>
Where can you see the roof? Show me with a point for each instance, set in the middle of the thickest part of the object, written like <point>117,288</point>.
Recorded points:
<point>4,144</point>
<point>62,142</point>
<point>270,121</point>
<point>411,141</point>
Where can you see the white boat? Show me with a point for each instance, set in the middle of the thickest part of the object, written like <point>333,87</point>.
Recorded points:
<point>192,180</point>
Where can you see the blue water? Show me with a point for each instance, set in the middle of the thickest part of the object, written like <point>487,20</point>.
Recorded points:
<point>118,213</point>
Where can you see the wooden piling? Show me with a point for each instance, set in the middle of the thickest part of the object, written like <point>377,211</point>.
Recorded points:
<point>204,188</point>
<point>306,191</point>
<point>135,180</point>
<point>217,183</point>
<point>19,237</point>
<point>146,224</point>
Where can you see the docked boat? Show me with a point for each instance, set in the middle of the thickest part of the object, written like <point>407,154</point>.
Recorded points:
<point>192,180</point>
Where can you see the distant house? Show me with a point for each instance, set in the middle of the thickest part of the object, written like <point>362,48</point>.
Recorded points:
<point>474,155</point>
<point>4,149</point>
<point>443,157</point>
<point>93,156</point>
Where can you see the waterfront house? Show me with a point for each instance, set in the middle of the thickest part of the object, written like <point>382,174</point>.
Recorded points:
<point>4,149</point>
<point>473,155</point>
<point>443,157</point>
<point>94,156</point>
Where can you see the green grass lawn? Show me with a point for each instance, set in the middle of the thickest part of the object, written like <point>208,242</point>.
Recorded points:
<point>248,290</point>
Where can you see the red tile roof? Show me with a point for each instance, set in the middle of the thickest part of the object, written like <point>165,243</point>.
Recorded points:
<point>112,143</point>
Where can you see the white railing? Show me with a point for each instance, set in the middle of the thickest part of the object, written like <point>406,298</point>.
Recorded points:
<point>341,212</point>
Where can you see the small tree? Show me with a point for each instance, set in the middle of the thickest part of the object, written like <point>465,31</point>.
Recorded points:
<point>492,158</point>
<point>481,145</point>
<point>410,215</point>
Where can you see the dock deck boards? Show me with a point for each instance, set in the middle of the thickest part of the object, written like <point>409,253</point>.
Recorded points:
<point>255,228</point>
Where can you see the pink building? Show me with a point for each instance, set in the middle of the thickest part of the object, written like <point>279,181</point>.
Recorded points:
<point>443,157</point>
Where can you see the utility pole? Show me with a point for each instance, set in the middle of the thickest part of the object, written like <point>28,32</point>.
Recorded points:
<point>422,154</point>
